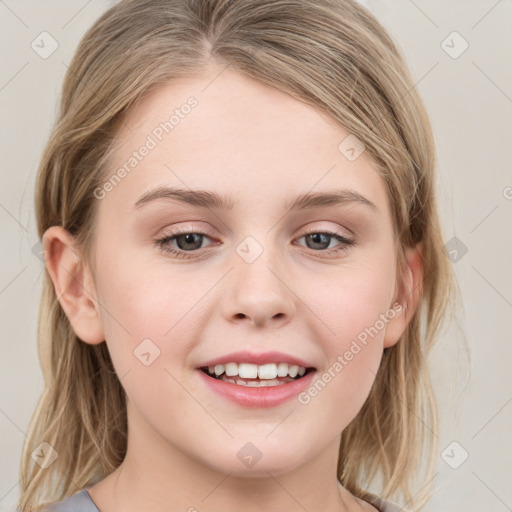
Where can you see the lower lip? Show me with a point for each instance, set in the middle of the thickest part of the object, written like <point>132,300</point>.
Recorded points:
<point>258,397</point>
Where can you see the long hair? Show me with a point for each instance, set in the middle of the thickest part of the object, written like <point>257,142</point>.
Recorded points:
<point>331,54</point>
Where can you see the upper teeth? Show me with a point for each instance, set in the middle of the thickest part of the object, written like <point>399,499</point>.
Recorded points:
<point>253,371</point>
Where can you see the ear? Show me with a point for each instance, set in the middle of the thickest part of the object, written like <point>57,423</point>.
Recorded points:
<point>73,284</point>
<point>407,297</point>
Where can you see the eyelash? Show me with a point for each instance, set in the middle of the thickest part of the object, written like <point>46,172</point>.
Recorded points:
<point>162,243</point>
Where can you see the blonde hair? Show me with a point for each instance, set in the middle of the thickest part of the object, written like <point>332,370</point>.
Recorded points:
<point>331,54</point>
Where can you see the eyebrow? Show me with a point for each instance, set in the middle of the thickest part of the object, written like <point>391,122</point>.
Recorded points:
<point>207,199</point>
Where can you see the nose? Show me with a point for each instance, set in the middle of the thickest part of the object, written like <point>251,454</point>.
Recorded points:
<point>259,293</point>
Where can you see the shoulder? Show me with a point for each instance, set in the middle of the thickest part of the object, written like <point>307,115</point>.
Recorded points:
<point>388,506</point>
<point>385,505</point>
<point>78,502</point>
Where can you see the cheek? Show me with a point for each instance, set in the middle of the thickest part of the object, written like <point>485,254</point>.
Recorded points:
<point>148,301</point>
<point>354,308</point>
<point>146,325</point>
<point>151,320</point>
<point>351,300</point>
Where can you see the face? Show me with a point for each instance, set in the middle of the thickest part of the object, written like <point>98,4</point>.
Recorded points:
<point>179,283</point>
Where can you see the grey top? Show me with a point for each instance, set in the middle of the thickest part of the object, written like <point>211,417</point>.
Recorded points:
<point>81,502</point>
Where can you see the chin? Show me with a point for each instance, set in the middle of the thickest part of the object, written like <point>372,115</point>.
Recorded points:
<point>249,461</point>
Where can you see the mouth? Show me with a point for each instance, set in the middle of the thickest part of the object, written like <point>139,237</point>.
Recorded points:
<point>252,375</point>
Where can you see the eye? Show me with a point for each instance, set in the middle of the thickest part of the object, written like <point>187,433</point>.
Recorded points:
<point>321,240</point>
<point>187,240</point>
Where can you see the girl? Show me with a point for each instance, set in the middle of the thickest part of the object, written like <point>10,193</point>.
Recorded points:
<point>245,266</point>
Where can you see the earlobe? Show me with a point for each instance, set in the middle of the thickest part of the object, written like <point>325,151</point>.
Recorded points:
<point>73,284</point>
<point>408,296</point>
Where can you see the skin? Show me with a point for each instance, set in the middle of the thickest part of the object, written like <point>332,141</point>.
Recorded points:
<point>261,147</point>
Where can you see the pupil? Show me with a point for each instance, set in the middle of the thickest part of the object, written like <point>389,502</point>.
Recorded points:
<point>188,238</point>
<point>317,239</point>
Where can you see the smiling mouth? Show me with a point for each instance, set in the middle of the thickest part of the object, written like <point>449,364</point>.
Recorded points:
<point>220,374</point>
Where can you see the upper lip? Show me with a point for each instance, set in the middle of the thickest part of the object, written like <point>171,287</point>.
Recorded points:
<point>257,358</point>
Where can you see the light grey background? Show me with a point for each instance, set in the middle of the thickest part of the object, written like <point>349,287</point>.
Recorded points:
<point>469,99</point>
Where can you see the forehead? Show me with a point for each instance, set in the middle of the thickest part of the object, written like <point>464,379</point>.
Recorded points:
<point>226,132</point>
